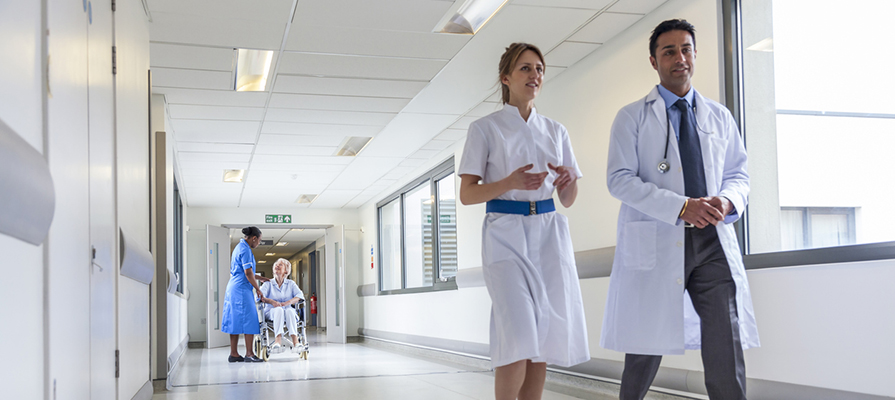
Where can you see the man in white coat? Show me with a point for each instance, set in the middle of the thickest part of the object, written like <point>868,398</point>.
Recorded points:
<point>678,165</point>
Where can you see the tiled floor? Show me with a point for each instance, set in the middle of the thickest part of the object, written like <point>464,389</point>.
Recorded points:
<point>333,371</point>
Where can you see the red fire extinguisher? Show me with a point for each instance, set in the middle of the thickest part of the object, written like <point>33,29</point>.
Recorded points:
<point>314,303</point>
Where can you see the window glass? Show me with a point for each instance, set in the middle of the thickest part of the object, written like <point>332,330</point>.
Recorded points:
<point>390,244</point>
<point>447,226</point>
<point>817,130</point>
<point>418,251</point>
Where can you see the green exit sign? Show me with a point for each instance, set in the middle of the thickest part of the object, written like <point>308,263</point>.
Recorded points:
<point>278,219</point>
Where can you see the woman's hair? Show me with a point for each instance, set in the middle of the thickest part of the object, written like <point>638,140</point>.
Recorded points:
<point>251,231</point>
<point>285,262</point>
<point>508,62</point>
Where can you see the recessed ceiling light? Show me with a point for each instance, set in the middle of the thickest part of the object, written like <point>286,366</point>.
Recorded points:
<point>262,262</point>
<point>252,70</point>
<point>352,146</point>
<point>470,17</point>
<point>306,199</point>
<point>282,243</point>
<point>270,254</point>
<point>234,175</point>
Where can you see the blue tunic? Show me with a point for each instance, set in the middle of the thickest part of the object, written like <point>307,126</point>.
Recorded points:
<point>240,315</point>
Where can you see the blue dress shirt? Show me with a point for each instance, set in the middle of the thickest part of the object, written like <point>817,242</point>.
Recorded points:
<point>674,115</point>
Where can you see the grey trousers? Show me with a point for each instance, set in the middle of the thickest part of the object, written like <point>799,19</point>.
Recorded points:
<point>713,293</point>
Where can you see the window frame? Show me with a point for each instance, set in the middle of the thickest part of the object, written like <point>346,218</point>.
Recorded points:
<point>178,239</point>
<point>432,176</point>
<point>732,52</point>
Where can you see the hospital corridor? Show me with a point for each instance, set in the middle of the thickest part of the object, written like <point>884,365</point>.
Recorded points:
<point>447,199</point>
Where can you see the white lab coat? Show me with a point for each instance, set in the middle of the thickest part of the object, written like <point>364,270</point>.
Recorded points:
<point>647,311</point>
<point>528,261</point>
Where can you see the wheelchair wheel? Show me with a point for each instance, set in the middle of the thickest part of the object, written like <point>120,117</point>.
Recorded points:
<point>264,355</point>
<point>304,354</point>
<point>256,345</point>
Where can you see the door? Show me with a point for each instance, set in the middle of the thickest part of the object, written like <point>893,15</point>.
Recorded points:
<point>103,234</point>
<point>335,285</point>
<point>217,256</point>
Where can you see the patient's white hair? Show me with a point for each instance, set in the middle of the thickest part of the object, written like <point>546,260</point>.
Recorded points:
<point>284,262</point>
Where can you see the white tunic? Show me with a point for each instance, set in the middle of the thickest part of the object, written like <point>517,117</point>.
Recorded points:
<point>529,265</point>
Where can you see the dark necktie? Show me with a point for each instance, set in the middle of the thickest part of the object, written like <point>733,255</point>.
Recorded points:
<point>691,153</point>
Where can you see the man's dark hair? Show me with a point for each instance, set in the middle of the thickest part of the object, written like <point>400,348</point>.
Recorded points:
<point>670,25</point>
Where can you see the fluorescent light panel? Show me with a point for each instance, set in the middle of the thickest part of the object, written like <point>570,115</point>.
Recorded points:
<point>234,175</point>
<point>352,146</point>
<point>766,45</point>
<point>252,70</point>
<point>471,16</point>
<point>306,199</point>
<point>282,244</point>
<point>270,254</point>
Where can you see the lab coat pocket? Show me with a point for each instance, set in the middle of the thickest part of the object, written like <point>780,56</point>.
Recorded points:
<point>639,241</point>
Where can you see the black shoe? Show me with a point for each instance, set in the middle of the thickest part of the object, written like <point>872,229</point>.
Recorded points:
<point>235,359</point>
<point>253,359</point>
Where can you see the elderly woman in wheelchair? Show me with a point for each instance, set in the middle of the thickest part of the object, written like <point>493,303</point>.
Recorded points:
<point>279,296</point>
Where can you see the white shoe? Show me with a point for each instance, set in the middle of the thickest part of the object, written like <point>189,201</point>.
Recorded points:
<point>287,343</point>
<point>276,349</point>
<point>296,350</point>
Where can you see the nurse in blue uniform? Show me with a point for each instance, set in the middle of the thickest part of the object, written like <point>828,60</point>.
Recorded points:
<point>240,316</point>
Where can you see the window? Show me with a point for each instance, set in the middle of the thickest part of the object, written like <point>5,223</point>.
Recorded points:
<point>418,234</point>
<point>178,239</point>
<point>818,132</point>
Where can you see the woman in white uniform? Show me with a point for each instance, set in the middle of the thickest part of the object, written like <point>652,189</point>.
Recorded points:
<point>279,296</point>
<point>520,156</point>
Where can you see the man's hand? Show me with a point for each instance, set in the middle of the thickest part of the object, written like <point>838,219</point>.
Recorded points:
<point>521,180</point>
<point>701,212</point>
<point>722,204</point>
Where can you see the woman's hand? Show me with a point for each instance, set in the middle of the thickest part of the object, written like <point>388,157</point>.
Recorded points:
<point>522,180</point>
<point>564,176</point>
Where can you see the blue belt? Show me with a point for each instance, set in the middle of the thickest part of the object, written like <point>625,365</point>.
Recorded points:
<point>520,207</point>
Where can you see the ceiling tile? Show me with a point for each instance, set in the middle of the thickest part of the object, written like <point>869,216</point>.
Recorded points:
<point>437,145</point>
<point>341,103</point>
<point>636,6</point>
<point>363,171</point>
<point>334,198</point>
<point>425,154</point>
<point>194,125</point>
<point>374,42</point>
<point>185,111</point>
<point>299,160</point>
<point>484,109</point>
<point>328,117</point>
<point>207,29</point>
<point>215,137</point>
<point>398,172</point>
<point>471,76</point>
<point>296,167</point>
<point>412,162</point>
<point>568,53</point>
<point>224,157</point>
<point>215,147</point>
<point>212,97</point>
<point>213,165</point>
<point>396,15</point>
<point>463,123</point>
<point>320,129</point>
<point>604,27</point>
<point>350,66</point>
<point>591,4</point>
<point>191,57</point>
<point>298,140</point>
<point>190,79</point>
<point>451,134</point>
<point>407,133</point>
<point>295,150</point>
<point>348,86</point>
<point>552,72</point>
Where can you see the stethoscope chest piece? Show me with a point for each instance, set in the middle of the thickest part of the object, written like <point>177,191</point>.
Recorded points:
<point>664,166</point>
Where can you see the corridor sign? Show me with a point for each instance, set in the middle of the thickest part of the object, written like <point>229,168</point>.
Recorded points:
<point>278,219</point>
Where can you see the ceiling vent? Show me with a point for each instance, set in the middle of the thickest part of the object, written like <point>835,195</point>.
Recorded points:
<point>352,145</point>
<point>306,199</point>
<point>234,175</point>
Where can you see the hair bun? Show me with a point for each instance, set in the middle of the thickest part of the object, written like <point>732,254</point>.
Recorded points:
<point>246,231</point>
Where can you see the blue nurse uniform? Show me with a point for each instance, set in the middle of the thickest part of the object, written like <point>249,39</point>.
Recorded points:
<point>240,315</point>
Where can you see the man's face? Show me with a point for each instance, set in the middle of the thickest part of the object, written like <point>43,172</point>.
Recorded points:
<point>675,60</point>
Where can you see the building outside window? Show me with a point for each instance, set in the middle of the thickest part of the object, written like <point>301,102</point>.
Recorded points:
<point>418,234</point>
<point>819,123</point>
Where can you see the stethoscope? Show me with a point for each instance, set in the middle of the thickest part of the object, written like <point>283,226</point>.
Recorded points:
<point>664,166</point>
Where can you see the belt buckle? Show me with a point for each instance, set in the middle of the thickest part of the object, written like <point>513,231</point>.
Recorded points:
<point>532,208</point>
<point>689,225</point>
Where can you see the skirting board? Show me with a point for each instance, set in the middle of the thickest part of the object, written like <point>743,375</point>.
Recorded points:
<point>175,355</point>
<point>671,380</point>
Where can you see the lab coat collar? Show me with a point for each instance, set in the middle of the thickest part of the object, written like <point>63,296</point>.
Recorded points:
<point>659,108</point>
<point>515,111</point>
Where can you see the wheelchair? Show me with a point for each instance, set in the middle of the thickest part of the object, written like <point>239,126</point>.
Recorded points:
<point>264,341</point>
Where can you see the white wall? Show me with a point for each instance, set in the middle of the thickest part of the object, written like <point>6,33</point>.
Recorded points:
<point>823,326</point>
<point>132,132</point>
<point>21,109</point>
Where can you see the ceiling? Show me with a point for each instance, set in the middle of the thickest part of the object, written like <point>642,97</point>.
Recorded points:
<point>296,240</point>
<point>342,68</point>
